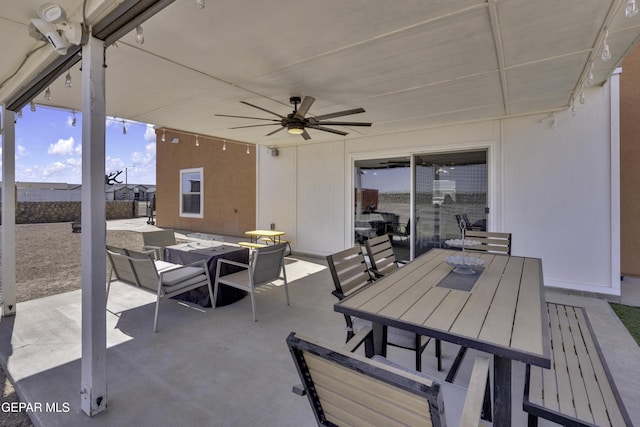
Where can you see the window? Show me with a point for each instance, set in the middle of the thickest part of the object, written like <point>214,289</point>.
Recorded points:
<point>191,193</point>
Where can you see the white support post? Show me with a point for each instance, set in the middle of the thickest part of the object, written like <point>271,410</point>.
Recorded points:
<point>8,213</point>
<point>94,339</point>
<point>615,181</point>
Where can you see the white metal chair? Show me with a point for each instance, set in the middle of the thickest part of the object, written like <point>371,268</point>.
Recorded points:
<point>140,269</point>
<point>266,265</point>
<point>157,241</point>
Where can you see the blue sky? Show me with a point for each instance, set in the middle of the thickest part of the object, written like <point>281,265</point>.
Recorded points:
<point>49,148</point>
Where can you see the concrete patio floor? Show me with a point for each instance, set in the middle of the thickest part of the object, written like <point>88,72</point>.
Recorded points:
<point>218,367</point>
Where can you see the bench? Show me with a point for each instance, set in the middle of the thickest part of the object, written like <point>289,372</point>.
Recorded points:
<point>165,279</point>
<point>252,245</point>
<point>578,389</point>
<point>269,241</point>
<point>347,389</point>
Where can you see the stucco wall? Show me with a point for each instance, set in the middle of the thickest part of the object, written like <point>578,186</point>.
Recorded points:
<point>229,184</point>
<point>549,186</point>
<point>629,163</point>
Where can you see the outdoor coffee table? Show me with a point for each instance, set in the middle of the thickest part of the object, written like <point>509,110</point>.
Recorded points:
<point>186,254</point>
<point>501,311</point>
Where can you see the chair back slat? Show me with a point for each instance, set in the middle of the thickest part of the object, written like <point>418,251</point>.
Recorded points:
<point>493,242</point>
<point>121,266</point>
<point>159,238</point>
<point>267,263</point>
<point>348,270</point>
<point>146,272</point>
<point>381,254</point>
<point>347,389</point>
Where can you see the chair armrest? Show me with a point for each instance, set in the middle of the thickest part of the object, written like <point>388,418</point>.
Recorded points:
<point>376,274</point>
<point>228,261</point>
<point>338,295</point>
<point>473,403</point>
<point>355,341</point>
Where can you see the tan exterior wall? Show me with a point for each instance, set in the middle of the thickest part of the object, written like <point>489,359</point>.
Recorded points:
<point>630,164</point>
<point>229,184</point>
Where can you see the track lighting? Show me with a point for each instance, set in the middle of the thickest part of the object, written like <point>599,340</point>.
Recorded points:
<point>606,52</point>
<point>248,152</point>
<point>199,4</point>
<point>573,108</point>
<point>224,145</point>
<point>582,98</point>
<point>67,79</point>
<point>32,106</point>
<point>139,35</point>
<point>47,94</point>
<point>164,138</point>
<point>197,141</point>
<point>631,9</point>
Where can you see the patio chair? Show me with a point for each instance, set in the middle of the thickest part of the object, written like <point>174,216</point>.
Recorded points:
<point>347,389</point>
<point>157,241</point>
<point>492,242</point>
<point>141,270</point>
<point>381,256</point>
<point>266,266</point>
<point>350,274</point>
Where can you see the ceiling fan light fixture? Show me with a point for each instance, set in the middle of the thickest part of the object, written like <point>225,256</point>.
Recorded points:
<point>295,129</point>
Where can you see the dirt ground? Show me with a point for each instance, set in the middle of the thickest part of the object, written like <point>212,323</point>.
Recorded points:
<point>48,263</point>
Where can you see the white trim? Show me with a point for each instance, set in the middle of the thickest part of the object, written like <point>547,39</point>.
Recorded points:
<point>180,194</point>
<point>615,180</point>
<point>8,286</point>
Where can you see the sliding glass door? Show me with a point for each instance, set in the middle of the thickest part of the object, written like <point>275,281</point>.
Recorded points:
<point>383,201</point>
<point>448,187</point>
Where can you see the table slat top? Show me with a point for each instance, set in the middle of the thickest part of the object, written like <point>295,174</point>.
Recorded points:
<point>502,314</point>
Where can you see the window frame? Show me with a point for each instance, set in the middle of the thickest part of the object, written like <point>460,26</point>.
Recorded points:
<point>182,174</point>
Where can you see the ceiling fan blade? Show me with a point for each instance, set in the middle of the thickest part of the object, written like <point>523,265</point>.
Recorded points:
<point>253,126</point>
<point>307,102</point>
<point>277,130</point>
<point>306,136</point>
<point>339,113</point>
<point>339,132</point>
<point>245,117</point>
<point>263,109</point>
<point>341,123</point>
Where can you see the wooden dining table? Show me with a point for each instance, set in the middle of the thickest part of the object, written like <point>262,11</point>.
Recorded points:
<point>498,310</point>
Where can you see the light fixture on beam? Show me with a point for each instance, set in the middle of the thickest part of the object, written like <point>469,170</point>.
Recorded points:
<point>164,137</point>
<point>197,141</point>
<point>139,35</point>
<point>32,106</point>
<point>248,152</point>
<point>631,9</point>
<point>224,145</point>
<point>124,128</point>
<point>47,94</point>
<point>67,80</point>
<point>606,52</point>
<point>73,121</point>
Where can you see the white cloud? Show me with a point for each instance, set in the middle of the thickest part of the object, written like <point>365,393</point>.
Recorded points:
<point>65,147</point>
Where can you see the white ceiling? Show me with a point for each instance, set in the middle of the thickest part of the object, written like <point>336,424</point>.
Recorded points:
<point>409,63</point>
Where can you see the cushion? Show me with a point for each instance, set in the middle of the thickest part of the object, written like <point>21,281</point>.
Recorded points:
<point>178,275</point>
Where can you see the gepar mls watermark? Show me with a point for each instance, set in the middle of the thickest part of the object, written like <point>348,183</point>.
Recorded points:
<point>14,407</point>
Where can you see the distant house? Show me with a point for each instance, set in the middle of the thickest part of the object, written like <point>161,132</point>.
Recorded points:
<point>136,192</point>
<point>63,192</point>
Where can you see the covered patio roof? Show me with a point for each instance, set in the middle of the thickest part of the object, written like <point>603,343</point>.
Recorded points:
<point>410,65</point>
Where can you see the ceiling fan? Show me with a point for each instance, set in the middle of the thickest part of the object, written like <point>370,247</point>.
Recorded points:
<point>297,124</point>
